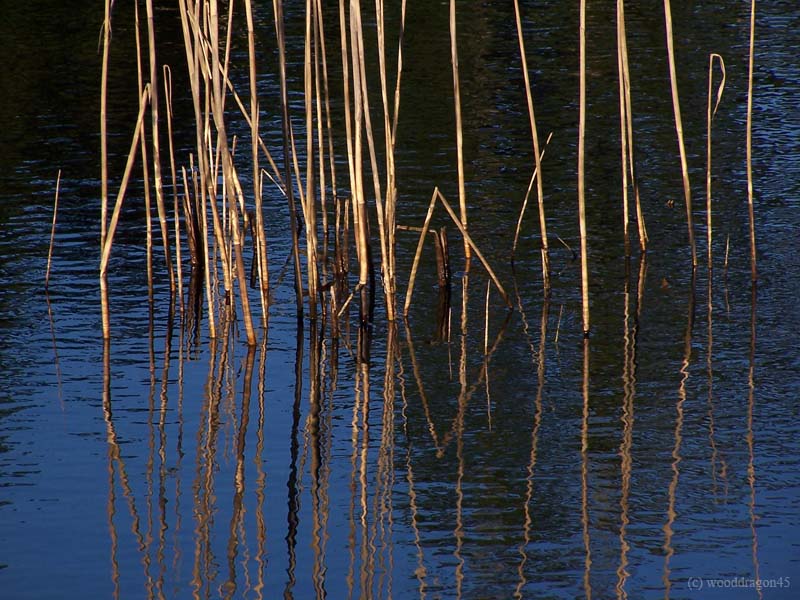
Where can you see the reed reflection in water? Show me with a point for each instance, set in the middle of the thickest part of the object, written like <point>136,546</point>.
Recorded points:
<point>375,492</point>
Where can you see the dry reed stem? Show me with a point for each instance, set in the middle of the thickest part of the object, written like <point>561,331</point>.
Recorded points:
<point>709,118</point>
<point>581,183</point>
<point>103,124</point>
<point>676,106</point>
<point>388,229</point>
<point>328,120</point>
<point>287,160</point>
<point>626,136</point>
<point>418,253</point>
<point>260,239</point>
<point>52,233</point>
<point>309,208</point>
<point>537,157</point>
<point>486,326</point>
<point>749,144</point>
<point>623,123</point>
<point>525,203</point>
<point>154,108</point>
<point>173,171</point>
<point>469,241</point>
<point>112,225</point>
<point>462,191</point>
<point>145,168</point>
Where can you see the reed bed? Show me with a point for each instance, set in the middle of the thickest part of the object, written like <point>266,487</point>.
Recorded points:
<point>219,197</point>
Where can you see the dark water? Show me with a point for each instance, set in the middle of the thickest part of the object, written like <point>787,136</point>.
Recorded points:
<point>659,460</point>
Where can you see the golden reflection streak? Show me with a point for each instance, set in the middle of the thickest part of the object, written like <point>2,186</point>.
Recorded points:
<point>261,477</point>
<point>631,332</point>
<point>539,360</point>
<point>203,487</point>
<point>237,514</point>
<point>327,443</point>
<point>420,572</point>
<point>162,454</point>
<point>367,547</point>
<point>176,559</point>
<point>382,506</point>
<point>111,506</point>
<point>151,585</point>
<point>715,458</point>
<point>458,424</point>
<point>587,569</point>
<point>354,437</point>
<point>115,458</point>
<point>751,464</point>
<point>315,434</point>
<point>676,451</point>
<point>293,514</point>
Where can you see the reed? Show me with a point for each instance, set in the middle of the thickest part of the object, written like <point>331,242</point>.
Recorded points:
<point>749,143</point>
<point>626,135</point>
<point>581,160</point>
<point>175,203</point>
<point>104,130</point>
<point>709,118</point>
<point>52,233</point>
<point>525,205</point>
<point>286,128</point>
<point>112,224</point>
<point>219,207</point>
<point>537,157</point>
<point>260,239</point>
<point>156,143</point>
<point>676,107</point>
<point>462,190</point>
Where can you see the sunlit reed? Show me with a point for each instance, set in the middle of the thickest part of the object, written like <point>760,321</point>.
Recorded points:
<point>709,118</point>
<point>749,142</point>
<point>676,107</point>
<point>537,157</point>
<point>672,490</point>
<point>581,174</point>
<point>462,190</point>
<point>52,233</point>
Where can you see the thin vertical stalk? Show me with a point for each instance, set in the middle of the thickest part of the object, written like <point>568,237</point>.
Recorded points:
<point>389,282</point>
<point>52,233</point>
<point>581,183</point>
<point>160,208</point>
<point>103,128</point>
<point>537,155</point>
<point>287,159</point>
<point>112,224</point>
<point>173,171</point>
<point>145,167</point>
<point>309,208</point>
<point>627,108</point>
<point>709,118</point>
<point>462,192</point>
<point>231,180</point>
<point>623,125</point>
<point>676,106</point>
<point>260,240</point>
<point>749,144</point>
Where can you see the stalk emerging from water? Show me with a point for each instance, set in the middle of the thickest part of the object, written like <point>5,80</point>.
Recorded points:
<point>581,183</point>
<point>709,118</point>
<point>753,268</point>
<point>462,191</point>
<point>676,106</point>
<point>537,157</point>
<point>52,233</point>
